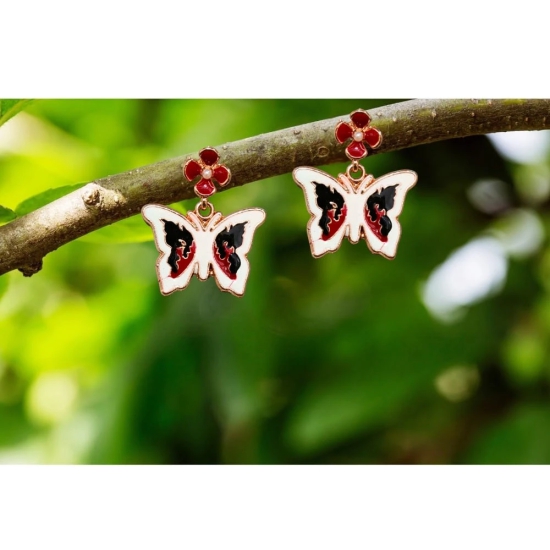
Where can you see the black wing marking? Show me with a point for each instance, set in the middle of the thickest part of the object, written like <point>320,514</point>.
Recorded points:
<point>176,237</point>
<point>231,238</point>
<point>385,200</point>
<point>328,199</point>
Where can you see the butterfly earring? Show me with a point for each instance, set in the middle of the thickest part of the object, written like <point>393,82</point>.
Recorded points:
<point>356,204</point>
<point>203,242</point>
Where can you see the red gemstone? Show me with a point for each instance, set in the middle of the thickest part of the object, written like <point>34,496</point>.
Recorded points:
<point>221,174</point>
<point>360,118</point>
<point>209,156</point>
<point>343,132</point>
<point>373,137</point>
<point>192,169</point>
<point>205,188</point>
<point>356,150</point>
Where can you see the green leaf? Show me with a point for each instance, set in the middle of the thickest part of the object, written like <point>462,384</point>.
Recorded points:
<point>10,107</point>
<point>37,201</point>
<point>3,285</point>
<point>519,437</point>
<point>178,207</point>
<point>6,215</point>
<point>130,230</point>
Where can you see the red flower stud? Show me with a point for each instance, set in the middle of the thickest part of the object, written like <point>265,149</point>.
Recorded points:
<point>359,131</point>
<point>208,168</point>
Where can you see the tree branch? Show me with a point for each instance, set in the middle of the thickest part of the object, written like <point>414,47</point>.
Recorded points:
<point>26,240</point>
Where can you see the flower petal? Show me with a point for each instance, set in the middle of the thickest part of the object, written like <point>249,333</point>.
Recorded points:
<point>373,137</point>
<point>356,150</point>
<point>205,188</point>
<point>221,174</point>
<point>343,132</point>
<point>209,156</point>
<point>360,118</point>
<point>192,169</point>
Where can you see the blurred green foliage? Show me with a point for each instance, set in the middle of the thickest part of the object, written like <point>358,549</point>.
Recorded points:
<point>337,360</point>
<point>10,107</point>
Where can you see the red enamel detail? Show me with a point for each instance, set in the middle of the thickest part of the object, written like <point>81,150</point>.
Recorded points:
<point>360,118</point>
<point>221,174</point>
<point>205,188</point>
<point>209,156</point>
<point>192,169</point>
<point>373,137</point>
<point>375,225</point>
<point>334,225</point>
<point>224,264</point>
<point>184,261</point>
<point>343,132</point>
<point>356,150</point>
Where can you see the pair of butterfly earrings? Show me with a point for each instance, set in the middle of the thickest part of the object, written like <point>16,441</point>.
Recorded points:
<point>355,205</point>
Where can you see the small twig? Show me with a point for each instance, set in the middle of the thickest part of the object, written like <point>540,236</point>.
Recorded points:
<point>25,241</point>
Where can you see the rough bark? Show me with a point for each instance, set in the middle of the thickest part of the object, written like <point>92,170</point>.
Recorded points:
<point>26,240</point>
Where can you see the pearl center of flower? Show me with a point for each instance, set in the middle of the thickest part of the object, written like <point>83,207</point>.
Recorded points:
<point>358,136</point>
<point>206,173</point>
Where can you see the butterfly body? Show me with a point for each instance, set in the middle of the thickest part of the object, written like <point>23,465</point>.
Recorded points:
<point>345,207</point>
<point>204,246</point>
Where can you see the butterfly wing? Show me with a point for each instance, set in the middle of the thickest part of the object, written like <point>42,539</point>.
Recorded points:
<point>232,241</point>
<point>176,240</point>
<point>326,202</point>
<point>384,199</point>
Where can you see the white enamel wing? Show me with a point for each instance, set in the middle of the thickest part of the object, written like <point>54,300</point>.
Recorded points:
<point>341,208</point>
<point>189,245</point>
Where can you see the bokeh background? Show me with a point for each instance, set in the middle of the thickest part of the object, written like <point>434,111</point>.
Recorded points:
<point>440,356</point>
